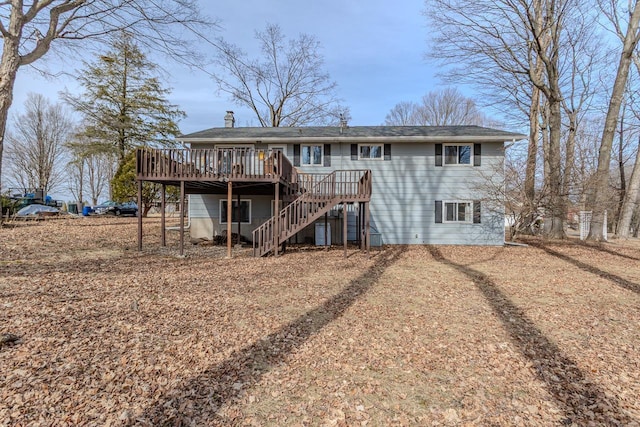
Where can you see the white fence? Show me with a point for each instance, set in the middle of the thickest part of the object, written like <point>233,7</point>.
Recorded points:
<point>585,224</point>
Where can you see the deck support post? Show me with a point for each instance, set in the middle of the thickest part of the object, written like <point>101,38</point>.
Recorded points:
<point>361,225</point>
<point>239,218</point>
<point>140,208</point>
<point>181,218</point>
<point>367,228</point>
<point>344,228</point>
<point>326,232</point>
<point>276,225</point>
<point>229,217</point>
<point>163,230</point>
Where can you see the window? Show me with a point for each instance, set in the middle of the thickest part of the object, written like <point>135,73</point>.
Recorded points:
<point>311,155</point>
<point>370,151</point>
<point>244,211</point>
<point>458,211</point>
<point>458,154</point>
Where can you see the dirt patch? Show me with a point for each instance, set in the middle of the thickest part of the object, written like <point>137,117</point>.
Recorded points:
<point>540,335</point>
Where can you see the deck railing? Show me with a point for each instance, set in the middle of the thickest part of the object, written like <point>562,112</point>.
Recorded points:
<point>212,164</point>
<point>320,192</point>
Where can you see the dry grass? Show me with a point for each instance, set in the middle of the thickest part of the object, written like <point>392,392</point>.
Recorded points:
<point>544,335</point>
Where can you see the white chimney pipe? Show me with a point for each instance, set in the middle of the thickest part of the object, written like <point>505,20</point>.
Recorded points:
<point>229,120</point>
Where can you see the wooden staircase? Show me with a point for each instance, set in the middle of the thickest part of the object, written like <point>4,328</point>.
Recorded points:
<point>318,194</point>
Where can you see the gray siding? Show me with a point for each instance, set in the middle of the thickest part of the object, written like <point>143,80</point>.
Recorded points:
<point>204,214</point>
<point>405,189</point>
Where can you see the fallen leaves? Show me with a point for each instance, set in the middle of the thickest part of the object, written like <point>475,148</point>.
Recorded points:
<point>8,338</point>
<point>475,336</point>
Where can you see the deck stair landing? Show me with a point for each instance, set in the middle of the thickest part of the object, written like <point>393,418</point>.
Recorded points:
<point>319,193</point>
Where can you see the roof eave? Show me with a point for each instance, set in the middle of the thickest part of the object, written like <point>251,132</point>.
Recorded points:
<point>387,139</point>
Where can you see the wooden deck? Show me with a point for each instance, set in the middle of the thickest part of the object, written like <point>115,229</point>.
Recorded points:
<point>209,165</point>
<point>319,194</point>
<point>219,170</point>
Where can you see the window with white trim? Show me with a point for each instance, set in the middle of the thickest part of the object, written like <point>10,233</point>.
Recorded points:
<point>311,155</point>
<point>370,151</point>
<point>457,211</point>
<point>458,154</point>
<point>244,212</point>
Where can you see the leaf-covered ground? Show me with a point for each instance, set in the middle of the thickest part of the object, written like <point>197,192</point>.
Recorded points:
<point>542,335</point>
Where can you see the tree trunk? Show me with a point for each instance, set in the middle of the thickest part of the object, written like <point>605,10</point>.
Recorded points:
<point>555,218</point>
<point>623,180</point>
<point>630,202</point>
<point>9,65</point>
<point>81,183</point>
<point>532,151</point>
<point>567,179</point>
<point>545,141</point>
<point>604,157</point>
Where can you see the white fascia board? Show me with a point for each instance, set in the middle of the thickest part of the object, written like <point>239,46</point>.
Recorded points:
<point>362,139</point>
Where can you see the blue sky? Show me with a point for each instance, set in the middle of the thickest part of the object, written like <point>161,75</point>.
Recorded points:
<point>374,50</point>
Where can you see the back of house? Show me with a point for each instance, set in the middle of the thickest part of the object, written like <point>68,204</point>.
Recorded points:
<point>428,184</point>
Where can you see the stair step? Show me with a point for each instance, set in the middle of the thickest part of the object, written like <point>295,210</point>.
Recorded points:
<point>319,197</point>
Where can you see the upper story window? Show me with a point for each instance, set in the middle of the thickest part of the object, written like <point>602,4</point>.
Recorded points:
<point>311,155</point>
<point>369,151</point>
<point>458,154</point>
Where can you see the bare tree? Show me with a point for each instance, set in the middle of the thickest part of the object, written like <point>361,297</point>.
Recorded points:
<point>448,107</point>
<point>623,149</point>
<point>630,196</point>
<point>286,86</point>
<point>445,107</point>
<point>100,168</point>
<point>585,159</point>
<point>402,114</point>
<point>75,179</point>
<point>579,63</point>
<point>36,144</point>
<point>30,29</point>
<point>629,38</point>
<point>489,48</point>
<point>91,168</point>
<point>631,201</point>
<point>516,50</point>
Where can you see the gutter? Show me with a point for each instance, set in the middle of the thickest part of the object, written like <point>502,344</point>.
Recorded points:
<point>339,139</point>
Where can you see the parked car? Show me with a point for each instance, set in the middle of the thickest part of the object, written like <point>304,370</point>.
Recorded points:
<point>117,209</point>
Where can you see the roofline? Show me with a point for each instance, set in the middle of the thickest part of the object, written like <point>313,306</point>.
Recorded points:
<point>326,139</point>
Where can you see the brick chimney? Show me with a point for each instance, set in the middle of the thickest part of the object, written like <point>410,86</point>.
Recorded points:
<point>229,120</point>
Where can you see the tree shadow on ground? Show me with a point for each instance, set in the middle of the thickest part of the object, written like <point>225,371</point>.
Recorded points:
<point>201,397</point>
<point>598,246</point>
<point>578,397</point>
<point>624,283</point>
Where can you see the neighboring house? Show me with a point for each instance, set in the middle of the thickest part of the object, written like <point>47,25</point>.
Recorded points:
<point>411,184</point>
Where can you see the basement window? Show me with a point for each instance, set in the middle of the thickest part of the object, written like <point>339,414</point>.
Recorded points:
<point>244,212</point>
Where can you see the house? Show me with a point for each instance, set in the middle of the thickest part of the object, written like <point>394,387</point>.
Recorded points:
<point>369,184</point>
